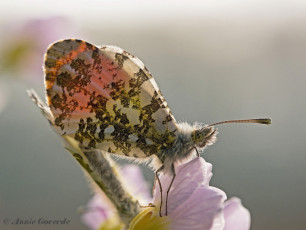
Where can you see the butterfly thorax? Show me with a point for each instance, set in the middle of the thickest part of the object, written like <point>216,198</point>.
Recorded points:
<point>188,138</point>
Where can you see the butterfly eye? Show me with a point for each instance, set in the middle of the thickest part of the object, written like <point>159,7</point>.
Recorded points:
<point>197,136</point>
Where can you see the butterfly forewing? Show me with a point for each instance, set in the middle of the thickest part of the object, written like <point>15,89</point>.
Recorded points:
<point>106,99</point>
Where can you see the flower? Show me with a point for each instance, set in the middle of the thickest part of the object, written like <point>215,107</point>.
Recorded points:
<point>192,203</point>
<point>236,216</point>
<point>135,183</point>
<point>98,212</point>
<point>25,44</point>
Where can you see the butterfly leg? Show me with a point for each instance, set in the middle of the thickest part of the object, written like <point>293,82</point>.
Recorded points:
<point>173,171</point>
<point>160,187</point>
<point>198,154</point>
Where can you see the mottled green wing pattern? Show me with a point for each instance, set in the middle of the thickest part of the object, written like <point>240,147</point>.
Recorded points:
<point>106,99</point>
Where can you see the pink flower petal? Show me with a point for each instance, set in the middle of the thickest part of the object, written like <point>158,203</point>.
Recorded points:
<point>188,178</point>
<point>200,211</point>
<point>192,203</point>
<point>96,213</point>
<point>236,216</point>
<point>135,183</point>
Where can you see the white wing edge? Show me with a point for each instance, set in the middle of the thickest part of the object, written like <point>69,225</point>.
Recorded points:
<point>41,105</point>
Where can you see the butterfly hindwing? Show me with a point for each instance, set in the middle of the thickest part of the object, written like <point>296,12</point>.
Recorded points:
<point>106,99</point>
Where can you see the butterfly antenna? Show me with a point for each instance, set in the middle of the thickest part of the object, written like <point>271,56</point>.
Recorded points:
<point>265,121</point>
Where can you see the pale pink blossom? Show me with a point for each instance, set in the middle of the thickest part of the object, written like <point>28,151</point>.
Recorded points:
<point>26,42</point>
<point>192,203</point>
<point>237,217</point>
<point>97,212</point>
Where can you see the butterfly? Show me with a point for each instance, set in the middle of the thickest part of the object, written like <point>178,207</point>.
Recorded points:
<point>106,99</point>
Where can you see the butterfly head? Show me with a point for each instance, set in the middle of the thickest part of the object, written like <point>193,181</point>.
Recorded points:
<point>204,136</point>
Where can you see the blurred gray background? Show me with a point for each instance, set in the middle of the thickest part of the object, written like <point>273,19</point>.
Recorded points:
<point>213,61</point>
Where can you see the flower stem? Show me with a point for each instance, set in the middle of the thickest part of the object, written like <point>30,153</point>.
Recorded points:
<point>102,170</point>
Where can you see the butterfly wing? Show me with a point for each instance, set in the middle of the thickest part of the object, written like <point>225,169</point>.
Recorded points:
<point>106,99</point>
<point>45,110</point>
